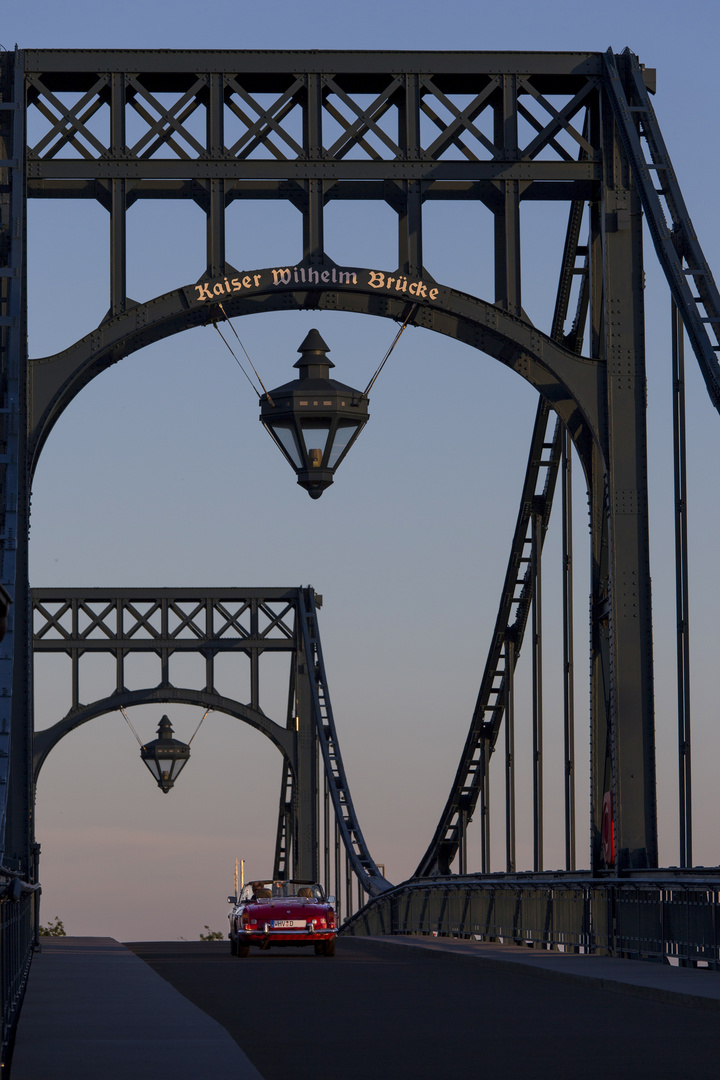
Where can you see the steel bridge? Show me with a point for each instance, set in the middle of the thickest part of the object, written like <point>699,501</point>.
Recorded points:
<point>406,130</point>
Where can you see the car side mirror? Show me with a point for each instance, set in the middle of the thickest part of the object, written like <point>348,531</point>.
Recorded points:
<point>329,899</point>
<point>232,899</point>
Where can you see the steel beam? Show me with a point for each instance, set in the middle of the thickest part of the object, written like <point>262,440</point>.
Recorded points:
<point>682,590</point>
<point>631,718</point>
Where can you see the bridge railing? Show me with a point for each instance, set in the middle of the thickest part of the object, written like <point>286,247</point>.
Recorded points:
<point>18,923</point>
<point>673,919</point>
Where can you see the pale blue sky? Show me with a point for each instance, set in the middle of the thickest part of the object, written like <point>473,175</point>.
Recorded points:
<point>145,481</point>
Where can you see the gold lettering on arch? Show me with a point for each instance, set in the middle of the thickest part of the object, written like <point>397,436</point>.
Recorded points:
<point>290,277</point>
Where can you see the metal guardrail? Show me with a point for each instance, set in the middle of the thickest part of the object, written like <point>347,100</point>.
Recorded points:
<point>675,918</point>
<point>17,938</point>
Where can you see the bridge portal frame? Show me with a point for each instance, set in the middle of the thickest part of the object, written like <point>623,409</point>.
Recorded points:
<point>167,623</point>
<point>408,128</point>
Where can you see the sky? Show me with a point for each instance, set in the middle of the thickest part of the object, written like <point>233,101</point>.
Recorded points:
<point>159,474</point>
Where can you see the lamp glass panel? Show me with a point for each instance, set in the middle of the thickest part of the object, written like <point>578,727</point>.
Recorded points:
<point>343,435</point>
<point>180,764</point>
<point>285,435</point>
<point>315,433</point>
<point>168,762</point>
<point>153,766</point>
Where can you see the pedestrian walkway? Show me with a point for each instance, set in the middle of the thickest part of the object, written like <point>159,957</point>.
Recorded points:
<point>94,1010</point>
<point>693,987</point>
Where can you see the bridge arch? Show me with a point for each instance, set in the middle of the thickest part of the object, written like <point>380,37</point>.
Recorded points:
<point>45,740</point>
<point>565,379</point>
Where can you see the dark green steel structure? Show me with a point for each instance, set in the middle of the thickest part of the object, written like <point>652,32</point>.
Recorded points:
<point>405,129</point>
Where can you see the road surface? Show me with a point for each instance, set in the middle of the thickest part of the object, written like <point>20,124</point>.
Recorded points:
<point>380,1011</point>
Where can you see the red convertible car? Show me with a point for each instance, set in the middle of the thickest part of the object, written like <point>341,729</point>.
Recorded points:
<point>270,913</point>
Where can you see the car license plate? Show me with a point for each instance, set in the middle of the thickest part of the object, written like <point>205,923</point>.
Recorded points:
<point>279,924</point>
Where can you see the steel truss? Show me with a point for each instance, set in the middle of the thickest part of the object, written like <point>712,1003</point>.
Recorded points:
<point>249,623</point>
<point>405,130</point>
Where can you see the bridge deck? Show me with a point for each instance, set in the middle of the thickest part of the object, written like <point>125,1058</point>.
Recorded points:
<point>94,1009</point>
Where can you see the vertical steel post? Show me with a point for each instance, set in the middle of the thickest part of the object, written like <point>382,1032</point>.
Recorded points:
<point>485,855</point>
<point>537,689</point>
<point>118,199</point>
<point>338,873</point>
<point>313,214</point>
<point>462,851</point>
<point>410,216</point>
<point>568,652</point>
<point>16,710</point>
<point>216,147</point>
<point>631,720</point>
<point>348,886</point>
<point>601,780</point>
<point>507,214</point>
<point>510,754</point>
<point>305,788</point>
<point>682,601</point>
<point>326,834</point>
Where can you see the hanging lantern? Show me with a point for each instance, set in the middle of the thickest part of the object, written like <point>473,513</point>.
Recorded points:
<point>314,420</point>
<point>165,756</point>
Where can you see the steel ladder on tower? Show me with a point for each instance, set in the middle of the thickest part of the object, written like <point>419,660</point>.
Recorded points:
<point>676,243</point>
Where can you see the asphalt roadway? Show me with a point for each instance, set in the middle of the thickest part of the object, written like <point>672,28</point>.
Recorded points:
<point>382,1011</point>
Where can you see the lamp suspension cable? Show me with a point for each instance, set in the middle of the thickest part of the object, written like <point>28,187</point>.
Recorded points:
<point>142,744</point>
<point>227,343</point>
<point>386,357</point>
<point>232,353</point>
<point>199,726</point>
<point>368,388</point>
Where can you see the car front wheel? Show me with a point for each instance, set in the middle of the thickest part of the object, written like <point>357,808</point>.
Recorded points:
<point>242,950</point>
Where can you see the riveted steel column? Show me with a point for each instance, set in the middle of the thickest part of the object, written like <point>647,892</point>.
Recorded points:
<point>466,806</point>
<point>537,682</point>
<point>216,187</point>
<point>507,216</point>
<point>305,788</point>
<point>568,652</point>
<point>338,872</point>
<point>510,753</point>
<point>17,828</point>
<point>118,199</point>
<point>313,215</point>
<point>682,599</point>
<point>348,887</point>
<point>326,835</point>
<point>631,672</point>
<point>600,759</point>
<point>410,217</point>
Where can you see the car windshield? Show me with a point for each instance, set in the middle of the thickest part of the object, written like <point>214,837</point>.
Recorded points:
<point>266,890</point>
